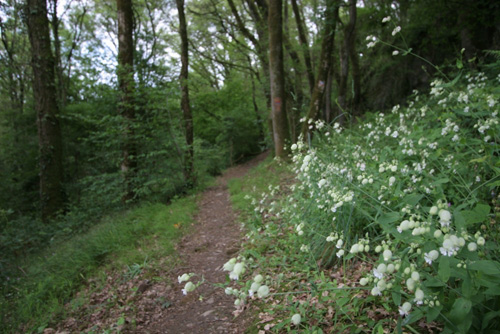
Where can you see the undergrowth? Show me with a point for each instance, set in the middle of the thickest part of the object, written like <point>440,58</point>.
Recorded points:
<point>392,225</point>
<point>130,239</point>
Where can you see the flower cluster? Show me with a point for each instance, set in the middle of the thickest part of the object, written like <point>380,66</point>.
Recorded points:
<point>404,177</point>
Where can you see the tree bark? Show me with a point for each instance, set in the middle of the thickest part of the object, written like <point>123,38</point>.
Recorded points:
<point>277,78</point>
<point>126,84</point>
<point>325,63</point>
<point>354,57</point>
<point>304,44</point>
<point>61,88</point>
<point>49,131</point>
<point>186,109</point>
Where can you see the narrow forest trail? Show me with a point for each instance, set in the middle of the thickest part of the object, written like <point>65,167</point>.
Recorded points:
<point>157,305</point>
<point>216,238</point>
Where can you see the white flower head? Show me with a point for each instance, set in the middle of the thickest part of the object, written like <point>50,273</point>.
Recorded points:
<point>376,292</point>
<point>258,279</point>
<point>188,288</point>
<point>444,217</point>
<point>405,309</point>
<point>396,30</point>
<point>386,19</point>
<point>481,241</point>
<point>431,256</point>
<point>395,52</point>
<point>263,291</point>
<point>229,265</point>
<point>392,179</point>
<point>419,297</point>
<point>296,318</point>
<point>184,278</point>
<point>387,255</point>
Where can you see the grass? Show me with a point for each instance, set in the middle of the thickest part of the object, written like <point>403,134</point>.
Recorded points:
<point>50,279</point>
<point>259,180</point>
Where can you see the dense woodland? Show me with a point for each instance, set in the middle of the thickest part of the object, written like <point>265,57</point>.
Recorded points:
<point>106,104</point>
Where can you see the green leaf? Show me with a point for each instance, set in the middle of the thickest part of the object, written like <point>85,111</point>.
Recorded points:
<point>478,215</point>
<point>460,314</point>
<point>396,297</point>
<point>440,181</point>
<point>459,220</point>
<point>444,268</point>
<point>493,291</point>
<point>386,219</point>
<point>433,313</point>
<point>414,315</point>
<point>412,199</point>
<point>389,217</point>
<point>432,282</point>
<point>488,317</point>
<point>342,301</point>
<point>486,266</point>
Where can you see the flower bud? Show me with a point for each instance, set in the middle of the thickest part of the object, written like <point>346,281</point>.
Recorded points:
<point>258,279</point>
<point>472,247</point>
<point>263,291</point>
<point>481,241</point>
<point>387,255</point>
<point>296,318</point>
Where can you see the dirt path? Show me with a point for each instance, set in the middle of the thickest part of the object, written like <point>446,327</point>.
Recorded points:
<point>142,306</point>
<point>216,239</point>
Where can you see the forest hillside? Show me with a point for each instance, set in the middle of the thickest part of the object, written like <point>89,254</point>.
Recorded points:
<point>377,212</point>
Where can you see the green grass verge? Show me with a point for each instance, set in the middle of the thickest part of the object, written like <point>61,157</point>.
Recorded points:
<point>50,279</point>
<point>258,180</point>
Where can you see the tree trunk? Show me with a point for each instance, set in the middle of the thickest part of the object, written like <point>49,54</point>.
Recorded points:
<point>186,109</point>
<point>344,75</point>
<point>304,44</point>
<point>49,131</point>
<point>61,88</point>
<point>126,83</point>
<point>277,78</point>
<point>354,58</point>
<point>325,62</point>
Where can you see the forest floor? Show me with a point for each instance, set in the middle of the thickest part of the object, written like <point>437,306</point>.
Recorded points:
<point>141,305</point>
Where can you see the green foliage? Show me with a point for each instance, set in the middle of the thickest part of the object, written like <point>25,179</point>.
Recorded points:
<point>396,214</point>
<point>36,295</point>
<point>226,120</point>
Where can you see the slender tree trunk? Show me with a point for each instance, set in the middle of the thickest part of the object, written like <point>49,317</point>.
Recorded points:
<point>354,57</point>
<point>328,97</point>
<point>126,83</point>
<point>61,88</point>
<point>279,117</point>
<point>49,131</point>
<point>256,110</point>
<point>259,12</point>
<point>186,109</point>
<point>304,44</point>
<point>325,62</point>
<point>344,75</point>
